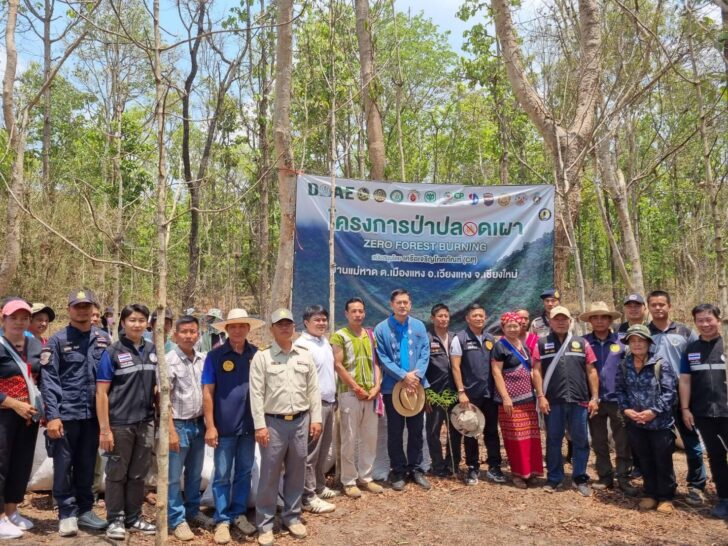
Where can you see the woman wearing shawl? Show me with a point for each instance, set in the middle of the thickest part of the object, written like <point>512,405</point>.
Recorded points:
<point>511,366</point>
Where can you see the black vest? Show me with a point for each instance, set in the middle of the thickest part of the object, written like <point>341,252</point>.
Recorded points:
<point>708,397</point>
<point>131,396</point>
<point>568,383</point>
<point>475,364</point>
<point>438,373</point>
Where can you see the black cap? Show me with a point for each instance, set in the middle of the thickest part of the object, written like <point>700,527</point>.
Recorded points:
<point>551,293</point>
<point>81,295</point>
<point>168,314</point>
<point>634,298</point>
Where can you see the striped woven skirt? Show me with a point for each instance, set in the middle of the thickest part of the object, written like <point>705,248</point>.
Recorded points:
<point>522,439</point>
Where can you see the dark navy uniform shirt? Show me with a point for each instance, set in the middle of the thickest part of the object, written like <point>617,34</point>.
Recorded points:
<point>69,363</point>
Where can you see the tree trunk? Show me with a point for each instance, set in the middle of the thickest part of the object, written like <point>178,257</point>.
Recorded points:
<point>16,134</point>
<point>613,179</point>
<point>46,173</point>
<point>264,180</point>
<point>567,143</point>
<point>161,275</point>
<point>283,279</point>
<point>370,90</point>
<point>193,184</point>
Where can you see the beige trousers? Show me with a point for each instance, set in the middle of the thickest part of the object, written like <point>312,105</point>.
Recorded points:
<point>359,425</point>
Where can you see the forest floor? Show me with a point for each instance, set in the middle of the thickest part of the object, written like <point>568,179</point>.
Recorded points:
<point>452,512</point>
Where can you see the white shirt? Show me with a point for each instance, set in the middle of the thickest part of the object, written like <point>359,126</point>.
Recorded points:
<point>323,356</point>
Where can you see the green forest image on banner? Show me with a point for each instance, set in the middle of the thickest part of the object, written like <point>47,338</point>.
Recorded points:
<point>443,243</point>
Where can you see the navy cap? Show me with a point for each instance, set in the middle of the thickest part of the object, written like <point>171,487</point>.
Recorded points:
<point>81,296</point>
<point>551,293</point>
<point>634,298</point>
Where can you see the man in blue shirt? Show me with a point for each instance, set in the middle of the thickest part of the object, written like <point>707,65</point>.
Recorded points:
<point>671,340</point>
<point>229,423</point>
<point>403,349</point>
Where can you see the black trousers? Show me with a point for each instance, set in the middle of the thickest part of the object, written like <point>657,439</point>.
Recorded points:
<point>714,431</point>
<point>654,449</point>
<point>433,428</point>
<point>74,462</point>
<point>491,439</point>
<point>126,468</point>
<point>401,463</point>
<point>17,445</point>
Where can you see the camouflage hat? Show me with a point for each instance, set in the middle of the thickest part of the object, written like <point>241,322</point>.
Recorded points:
<point>639,330</point>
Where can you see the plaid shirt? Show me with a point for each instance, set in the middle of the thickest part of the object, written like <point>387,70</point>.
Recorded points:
<point>185,383</point>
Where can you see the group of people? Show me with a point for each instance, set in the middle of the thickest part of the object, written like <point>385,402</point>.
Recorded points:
<point>638,379</point>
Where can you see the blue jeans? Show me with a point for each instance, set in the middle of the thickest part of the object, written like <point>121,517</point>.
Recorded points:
<point>693,452</point>
<point>190,457</point>
<point>231,495</point>
<point>573,417</point>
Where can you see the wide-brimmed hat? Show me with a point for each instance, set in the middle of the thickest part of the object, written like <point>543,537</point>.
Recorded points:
<point>598,309</point>
<point>43,308</point>
<point>639,330</point>
<point>214,313</point>
<point>408,404</point>
<point>468,421</point>
<point>238,316</point>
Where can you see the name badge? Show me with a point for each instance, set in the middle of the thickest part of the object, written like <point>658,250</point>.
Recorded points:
<point>548,346</point>
<point>470,345</point>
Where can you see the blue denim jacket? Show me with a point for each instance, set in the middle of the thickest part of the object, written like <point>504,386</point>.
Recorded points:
<point>641,391</point>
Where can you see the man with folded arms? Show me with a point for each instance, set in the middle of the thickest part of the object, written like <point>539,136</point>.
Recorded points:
<point>286,404</point>
<point>358,387</point>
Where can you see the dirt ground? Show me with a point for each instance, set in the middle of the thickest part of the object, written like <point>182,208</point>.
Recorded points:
<point>455,513</point>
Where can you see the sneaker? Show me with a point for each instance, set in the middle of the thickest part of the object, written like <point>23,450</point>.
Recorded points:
<point>68,527</point>
<point>242,523</point>
<point>519,483</point>
<point>720,510</point>
<point>222,533</point>
<point>397,482</point>
<point>695,497</point>
<point>419,478</point>
<point>203,520</point>
<point>665,507</point>
<point>352,491</point>
<point>183,532</point>
<point>264,539</point>
<point>318,506</point>
<point>494,474</point>
<point>24,524</point>
<point>297,530</point>
<point>602,485</point>
<point>8,530</point>
<point>116,530</point>
<point>327,493</point>
<point>471,477</point>
<point>371,487</point>
<point>583,488</point>
<point>92,521</point>
<point>143,527</point>
<point>627,488</point>
<point>647,503</point>
<point>552,487</point>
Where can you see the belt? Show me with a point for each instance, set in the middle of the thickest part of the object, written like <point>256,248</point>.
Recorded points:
<point>288,417</point>
<point>325,403</point>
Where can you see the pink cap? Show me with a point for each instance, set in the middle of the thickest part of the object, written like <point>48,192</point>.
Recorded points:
<point>15,305</point>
